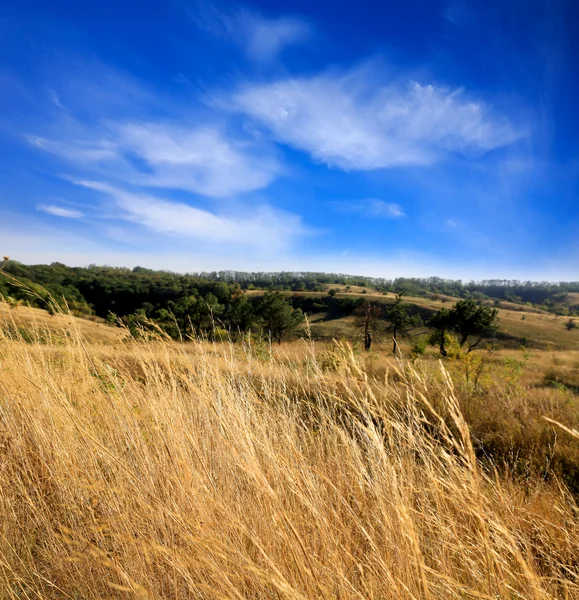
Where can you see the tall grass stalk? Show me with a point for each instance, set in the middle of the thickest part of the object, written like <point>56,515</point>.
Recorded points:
<point>158,470</point>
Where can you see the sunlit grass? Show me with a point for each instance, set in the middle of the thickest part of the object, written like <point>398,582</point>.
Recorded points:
<point>158,470</point>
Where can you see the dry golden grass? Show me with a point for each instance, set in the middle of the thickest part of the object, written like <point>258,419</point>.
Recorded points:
<point>38,320</point>
<point>157,470</point>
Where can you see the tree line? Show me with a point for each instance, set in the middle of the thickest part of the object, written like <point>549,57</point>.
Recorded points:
<point>95,287</point>
<point>198,305</point>
<point>469,321</point>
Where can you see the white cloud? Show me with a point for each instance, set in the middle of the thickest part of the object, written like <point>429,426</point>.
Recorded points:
<point>60,211</point>
<point>117,129</point>
<point>185,151</point>
<point>370,207</point>
<point>88,152</point>
<point>55,99</point>
<point>261,39</point>
<point>263,227</point>
<point>347,121</point>
<point>469,237</point>
<point>199,159</point>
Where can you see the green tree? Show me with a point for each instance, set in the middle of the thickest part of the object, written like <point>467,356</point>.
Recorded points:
<point>148,308</point>
<point>442,322</point>
<point>196,314</point>
<point>240,315</point>
<point>368,318</point>
<point>400,320</point>
<point>473,322</point>
<point>470,320</point>
<point>209,309</point>
<point>277,315</point>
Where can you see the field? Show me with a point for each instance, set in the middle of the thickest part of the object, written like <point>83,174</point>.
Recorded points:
<point>37,322</point>
<point>519,325</point>
<point>309,470</point>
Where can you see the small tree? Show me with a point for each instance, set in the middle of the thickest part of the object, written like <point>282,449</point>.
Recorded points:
<point>197,313</point>
<point>472,320</point>
<point>240,315</point>
<point>277,315</point>
<point>367,318</point>
<point>441,322</point>
<point>401,321</point>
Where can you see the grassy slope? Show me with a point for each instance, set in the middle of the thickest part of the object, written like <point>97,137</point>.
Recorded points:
<point>36,319</point>
<point>541,329</point>
<point>209,471</point>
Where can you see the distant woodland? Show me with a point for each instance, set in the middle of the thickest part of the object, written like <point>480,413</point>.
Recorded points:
<point>194,303</point>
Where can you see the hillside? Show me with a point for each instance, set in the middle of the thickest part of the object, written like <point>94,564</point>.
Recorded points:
<point>91,289</point>
<point>158,470</point>
<point>519,325</point>
<point>308,469</point>
<point>38,322</point>
<point>194,305</point>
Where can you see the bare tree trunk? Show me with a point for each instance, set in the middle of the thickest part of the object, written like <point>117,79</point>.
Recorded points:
<point>442,348</point>
<point>367,341</point>
<point>367,336</point>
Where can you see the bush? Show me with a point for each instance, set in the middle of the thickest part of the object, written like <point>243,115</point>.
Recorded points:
<point>419,346</point>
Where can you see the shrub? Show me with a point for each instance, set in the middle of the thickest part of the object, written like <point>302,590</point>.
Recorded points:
<point>419,346</point>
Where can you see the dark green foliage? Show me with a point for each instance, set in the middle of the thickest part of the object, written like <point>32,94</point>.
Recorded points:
<point>192,304</point>
<point>62,280</point>
<point>400,320</point>
<point>277,315</point>
<point>472,322</point>
<point>442,323</point>
<point>240,315</point>
<point>197,314</point>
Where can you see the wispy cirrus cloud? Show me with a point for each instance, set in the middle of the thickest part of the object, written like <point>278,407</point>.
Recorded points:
<point>262,39</point>
<point>60,211</point>
<point>262,227</point>
<point>155,167</point>
<point>199,158</point>
<point>470,237</point>
<point>369,207</point>
<point>153,173</point>
<point>348,121</point>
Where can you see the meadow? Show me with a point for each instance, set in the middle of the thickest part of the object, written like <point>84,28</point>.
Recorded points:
<point>154,469</point>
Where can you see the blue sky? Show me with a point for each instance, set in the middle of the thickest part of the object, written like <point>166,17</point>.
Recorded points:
<point>409,138</point>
